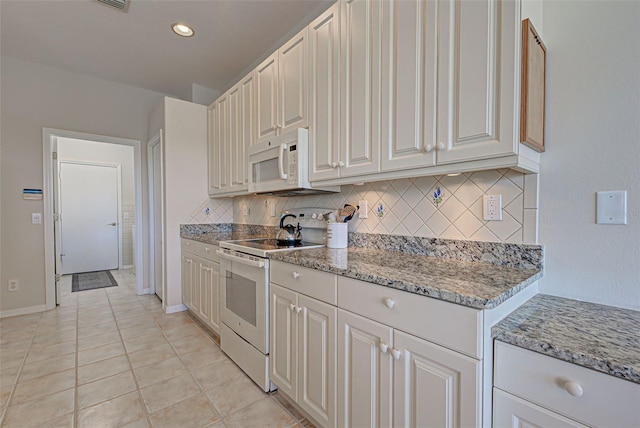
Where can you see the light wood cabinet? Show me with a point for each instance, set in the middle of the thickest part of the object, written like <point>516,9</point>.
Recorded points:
<point>282,86</point>
<point>303,352</point>
<point>201,282</point>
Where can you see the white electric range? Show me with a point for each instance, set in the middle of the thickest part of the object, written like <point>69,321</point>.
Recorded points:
<point>244,292</point>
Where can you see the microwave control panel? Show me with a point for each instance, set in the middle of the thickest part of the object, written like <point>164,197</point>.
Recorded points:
<point>292,177</point>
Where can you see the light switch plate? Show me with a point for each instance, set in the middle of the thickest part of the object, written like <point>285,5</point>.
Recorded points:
<point>611,207</point>
<point>363,211</point>
<point>36,218</point>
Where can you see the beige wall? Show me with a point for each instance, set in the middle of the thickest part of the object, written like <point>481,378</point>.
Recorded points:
<point>593,144</point>
<point>33,97</point>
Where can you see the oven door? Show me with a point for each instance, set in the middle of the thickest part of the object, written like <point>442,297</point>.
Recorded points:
<point>244,291</point>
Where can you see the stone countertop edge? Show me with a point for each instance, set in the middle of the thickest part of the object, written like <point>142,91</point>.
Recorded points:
<point>602,338</point>
<point>472,284</point>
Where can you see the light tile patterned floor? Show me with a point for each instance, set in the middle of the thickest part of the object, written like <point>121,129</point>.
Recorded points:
<point>109,358</point>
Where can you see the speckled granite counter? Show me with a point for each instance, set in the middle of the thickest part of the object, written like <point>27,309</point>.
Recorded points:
<point>473,284</point>
<point>214,233</point>
<point>602,338</point>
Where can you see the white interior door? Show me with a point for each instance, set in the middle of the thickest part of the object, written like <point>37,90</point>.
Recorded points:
<point>155,193</point>
<point>89,197</point>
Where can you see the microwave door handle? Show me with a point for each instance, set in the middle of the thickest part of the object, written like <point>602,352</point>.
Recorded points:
<point>283,147</point>
<point>253,263</point>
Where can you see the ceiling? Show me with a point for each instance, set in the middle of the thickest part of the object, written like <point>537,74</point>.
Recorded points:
<point>138,47</point>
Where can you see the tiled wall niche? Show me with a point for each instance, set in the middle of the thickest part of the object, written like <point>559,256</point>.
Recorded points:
<point>409,207</point>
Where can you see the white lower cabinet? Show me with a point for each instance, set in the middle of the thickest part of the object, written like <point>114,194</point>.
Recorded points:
<point>389,378</point>
<point>510,411</point>
<point>303,352</point>
<point>201,282</point>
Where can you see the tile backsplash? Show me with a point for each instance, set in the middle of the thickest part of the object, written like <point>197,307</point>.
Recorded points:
<point>438,206</point>
<point>212,211</point>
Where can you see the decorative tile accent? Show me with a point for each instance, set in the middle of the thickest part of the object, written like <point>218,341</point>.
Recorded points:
<point>407,207</point>
<point>212,211</point>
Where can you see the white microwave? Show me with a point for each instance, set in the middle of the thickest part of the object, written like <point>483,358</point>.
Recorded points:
<point>281,166</point>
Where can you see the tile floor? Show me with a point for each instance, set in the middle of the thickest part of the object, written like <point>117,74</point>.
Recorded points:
<point>109,358</point>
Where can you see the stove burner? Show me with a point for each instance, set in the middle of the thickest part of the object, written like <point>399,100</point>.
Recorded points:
<point>285,243</point>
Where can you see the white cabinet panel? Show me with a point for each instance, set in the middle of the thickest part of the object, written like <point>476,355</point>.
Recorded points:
<point>361,42</point>
<point>188,275</point>
<point>213,148</point>
<point>324,94</point>
<point>409,80</point>
<point>233,144</point>
<point>214,294</point>
<point>434,386</point>
<point>205,283</point>
<point>248,95</point>
<point>293,83</point>
<point>317,359</point>
<point>478,65</point>
<point>284,340</point>
<point>267,97</point>
<point>512,412</point>
<point>223,144</point>
<point>364,372</point>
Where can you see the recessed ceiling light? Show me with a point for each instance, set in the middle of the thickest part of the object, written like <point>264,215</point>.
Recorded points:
<point>182,29</point>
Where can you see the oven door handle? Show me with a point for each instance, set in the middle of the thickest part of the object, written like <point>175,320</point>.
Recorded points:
<point>248,262</point>
<point>283,147</point>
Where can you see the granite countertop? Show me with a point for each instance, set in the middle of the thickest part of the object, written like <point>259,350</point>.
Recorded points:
<point>214,238</point>
<point>473,284</point>
<point>599,337</point>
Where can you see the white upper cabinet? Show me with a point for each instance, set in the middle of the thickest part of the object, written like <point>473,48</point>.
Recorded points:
<point>213,148</point>
<point>324,94</point>
<point>361,39</point>
<point>282,86</point>
<point>409,84</point>
<point>478,59</point>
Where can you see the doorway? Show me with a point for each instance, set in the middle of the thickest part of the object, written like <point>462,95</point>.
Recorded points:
<point>51,199</point>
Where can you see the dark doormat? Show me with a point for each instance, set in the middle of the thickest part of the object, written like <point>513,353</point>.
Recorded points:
<point>92,280</point>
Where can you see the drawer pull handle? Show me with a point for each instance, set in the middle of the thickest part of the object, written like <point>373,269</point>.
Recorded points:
<point>389,302</point>
<point>383,347</point>
<point>298,309</point>
<point>296,275</point>
<point>574,389</point>
<point>395,354</point>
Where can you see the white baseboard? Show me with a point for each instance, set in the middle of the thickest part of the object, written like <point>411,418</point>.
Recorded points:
<point>23,311</point>
<point>127,267</point>
<point>175,308</point>
<point>145,291</point>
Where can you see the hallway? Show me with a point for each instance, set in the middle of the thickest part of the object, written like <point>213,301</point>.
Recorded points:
<point>109,358</point>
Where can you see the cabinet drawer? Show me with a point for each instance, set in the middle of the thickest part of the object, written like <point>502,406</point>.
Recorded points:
<point>314,283</point>
<point>206,251</point>
<point>453,326</point>
<point>605,401</point>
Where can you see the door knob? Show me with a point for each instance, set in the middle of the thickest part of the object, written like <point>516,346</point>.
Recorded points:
<point>112,224</point>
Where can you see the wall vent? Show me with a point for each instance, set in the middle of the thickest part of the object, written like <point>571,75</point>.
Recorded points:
<point>122,5</point>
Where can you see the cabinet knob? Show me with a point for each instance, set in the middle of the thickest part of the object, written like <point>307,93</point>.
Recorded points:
<point>207,249</point>
<point>428,148</point>
<point>292,307</point>
<point>383,347</point>
<point>340,164</point>
<point>441,146</point>
<point>334,165</point>
<point>295,275</point>
<point>389,302</point>
<point>187,243</point>
<point>573,388</point>
<point>396,354</point>
<point>298,309</point>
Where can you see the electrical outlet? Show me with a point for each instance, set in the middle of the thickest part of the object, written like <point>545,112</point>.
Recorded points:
<point>363,211</point>
<point>14,285</point>
<point>246,211</point>
<point>36,218</point>
<point>273,209</point>
<point>492,207</point>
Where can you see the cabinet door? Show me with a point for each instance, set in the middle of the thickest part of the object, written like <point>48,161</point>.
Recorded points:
<point>214,312</point>
<point>317,359</point>
<point>205,283</point>
<point>283,346</point>
<point>293,84</point>
<point>478,63</point>
<point>409,84</point>
<point>267,97</point>
<point>434,386</point>
<point>360,84</point>
<point>324,93</point>
<point>364,372</point>
<point>187,275</point>
<point>213,148</point>
<point>223,143</point>
<point>248,105</point>
<point>235,157</point>
<point>511,411</point>
<point>195,286</point>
